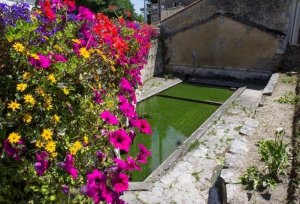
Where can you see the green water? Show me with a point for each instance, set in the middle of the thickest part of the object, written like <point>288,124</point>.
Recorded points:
<point>173,120</point>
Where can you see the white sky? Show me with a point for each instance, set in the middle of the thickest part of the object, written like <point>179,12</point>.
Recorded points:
<point>138,4</point>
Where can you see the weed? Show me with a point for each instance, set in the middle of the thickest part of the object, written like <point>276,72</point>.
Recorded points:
<point>238,128</point>
<point>288,79</point>
<point>220,160</point>
<point>195,145</point>
<point>196,175</point>
<point>275,157</point>
<point>212,132</point>
<point>288,98</point>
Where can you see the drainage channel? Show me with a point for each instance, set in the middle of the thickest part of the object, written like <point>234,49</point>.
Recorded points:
<point>174,115</point>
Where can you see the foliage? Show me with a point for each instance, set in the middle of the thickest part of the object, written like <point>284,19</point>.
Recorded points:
<point>67,103</point>
<point>111,8</point>
<point>288,98</point>
<point>289,79</point>
<point>275,157</point>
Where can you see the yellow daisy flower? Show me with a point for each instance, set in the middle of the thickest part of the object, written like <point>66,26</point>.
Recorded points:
<point>76,41</point>
<point>57,47</point>
<point>84,52</point>
<point>86,139</point>
<point>21,87</point>
<point>29,99</point>
<point>14,137</point>
<point>35,56</point>
<point>26,75</point>
<point>40,91</point>
<point>56,118</point>
<point>39,144</point>
<point>76,146</point>
<point>51,147</point>
<point>66,91</point>
<point>54,154</point>
<point>47,134</point>
<point>51,78</point>
<point>19,47</point>
<point>27,118</point>
<point>14,105</point>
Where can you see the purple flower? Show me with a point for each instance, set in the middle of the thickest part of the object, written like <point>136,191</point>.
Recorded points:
<point>143,154</point>
<point>120,139</point>
<point>109,118</point>
<point>42,163</point>
<point>85,14</point>
<point>143,126</point>
<point>120,182</point>
<point>40,62</point>
<point>97,97</point>
<point>125,85</point>
<point>65,188</point>
<point>68,166</point>
<point>128,165</point>
<point>16,151</point>
<point>100,155</point>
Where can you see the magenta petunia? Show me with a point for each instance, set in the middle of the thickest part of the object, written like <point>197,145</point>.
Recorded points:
<point>125,85</point>
<point>109,118</point>
<point>68,166</point>
<point>120,182</point>
<point>60,58</point>
<point>143,154</point>
<point>128,165</point>
<point>96,188</point>
<point>85,14</point>
<point>143,126</point>
<point>42,62</point>
<point>128,110</point>
<point>120,139</point>
<point>42,163</point>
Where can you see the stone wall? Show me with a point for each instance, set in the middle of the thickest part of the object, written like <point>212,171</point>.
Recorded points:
<point>221,42</point>
<point>292,58</point>
<point>243,35</point>
<point>154,63</point>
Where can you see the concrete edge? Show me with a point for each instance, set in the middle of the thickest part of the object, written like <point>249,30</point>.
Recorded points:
<point>183,149</point>
<point>268,90</point>
<point>177,81</point>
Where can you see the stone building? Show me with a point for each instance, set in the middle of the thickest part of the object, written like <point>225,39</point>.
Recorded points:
<point>231,38</point>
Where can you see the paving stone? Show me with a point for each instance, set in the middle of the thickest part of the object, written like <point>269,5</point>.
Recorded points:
<point>238,147</point>
<point>236,194</point>
<point>233,161</point>
<point>230,175</point>
<point>249,127</point>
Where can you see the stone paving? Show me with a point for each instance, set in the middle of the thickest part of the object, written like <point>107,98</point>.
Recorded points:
<point>190,179</point>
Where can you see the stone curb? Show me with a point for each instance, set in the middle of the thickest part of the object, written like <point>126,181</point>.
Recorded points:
<point>271,84</point>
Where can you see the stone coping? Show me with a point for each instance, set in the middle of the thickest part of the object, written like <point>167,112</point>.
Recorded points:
<point>178,154</point>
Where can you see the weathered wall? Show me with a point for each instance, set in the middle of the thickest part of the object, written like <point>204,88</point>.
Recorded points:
<point>292,58</point>
<point>154,63</point>
<point>271,14</point>
<point>221,42</point>
<point>165,13</point>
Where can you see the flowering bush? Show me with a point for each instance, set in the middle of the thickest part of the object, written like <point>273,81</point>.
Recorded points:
<point>67,103</point>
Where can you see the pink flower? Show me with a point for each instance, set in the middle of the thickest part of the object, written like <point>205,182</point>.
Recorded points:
<point>65,188</point>
<point>96,187</point>
<point>143,126</point>
<point>128,165</point>
<point>109,118</point>
<point>85,14</point>
<point>42,163</point>
<point>120,139</point>
<point>60,58</point>
<point>70,5</point>
<point>125,85</point>
<point>68,166</point>
<point>42,62</point>
<point>128,110</point>
<point>143,154</point>
<point>120,182</point>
